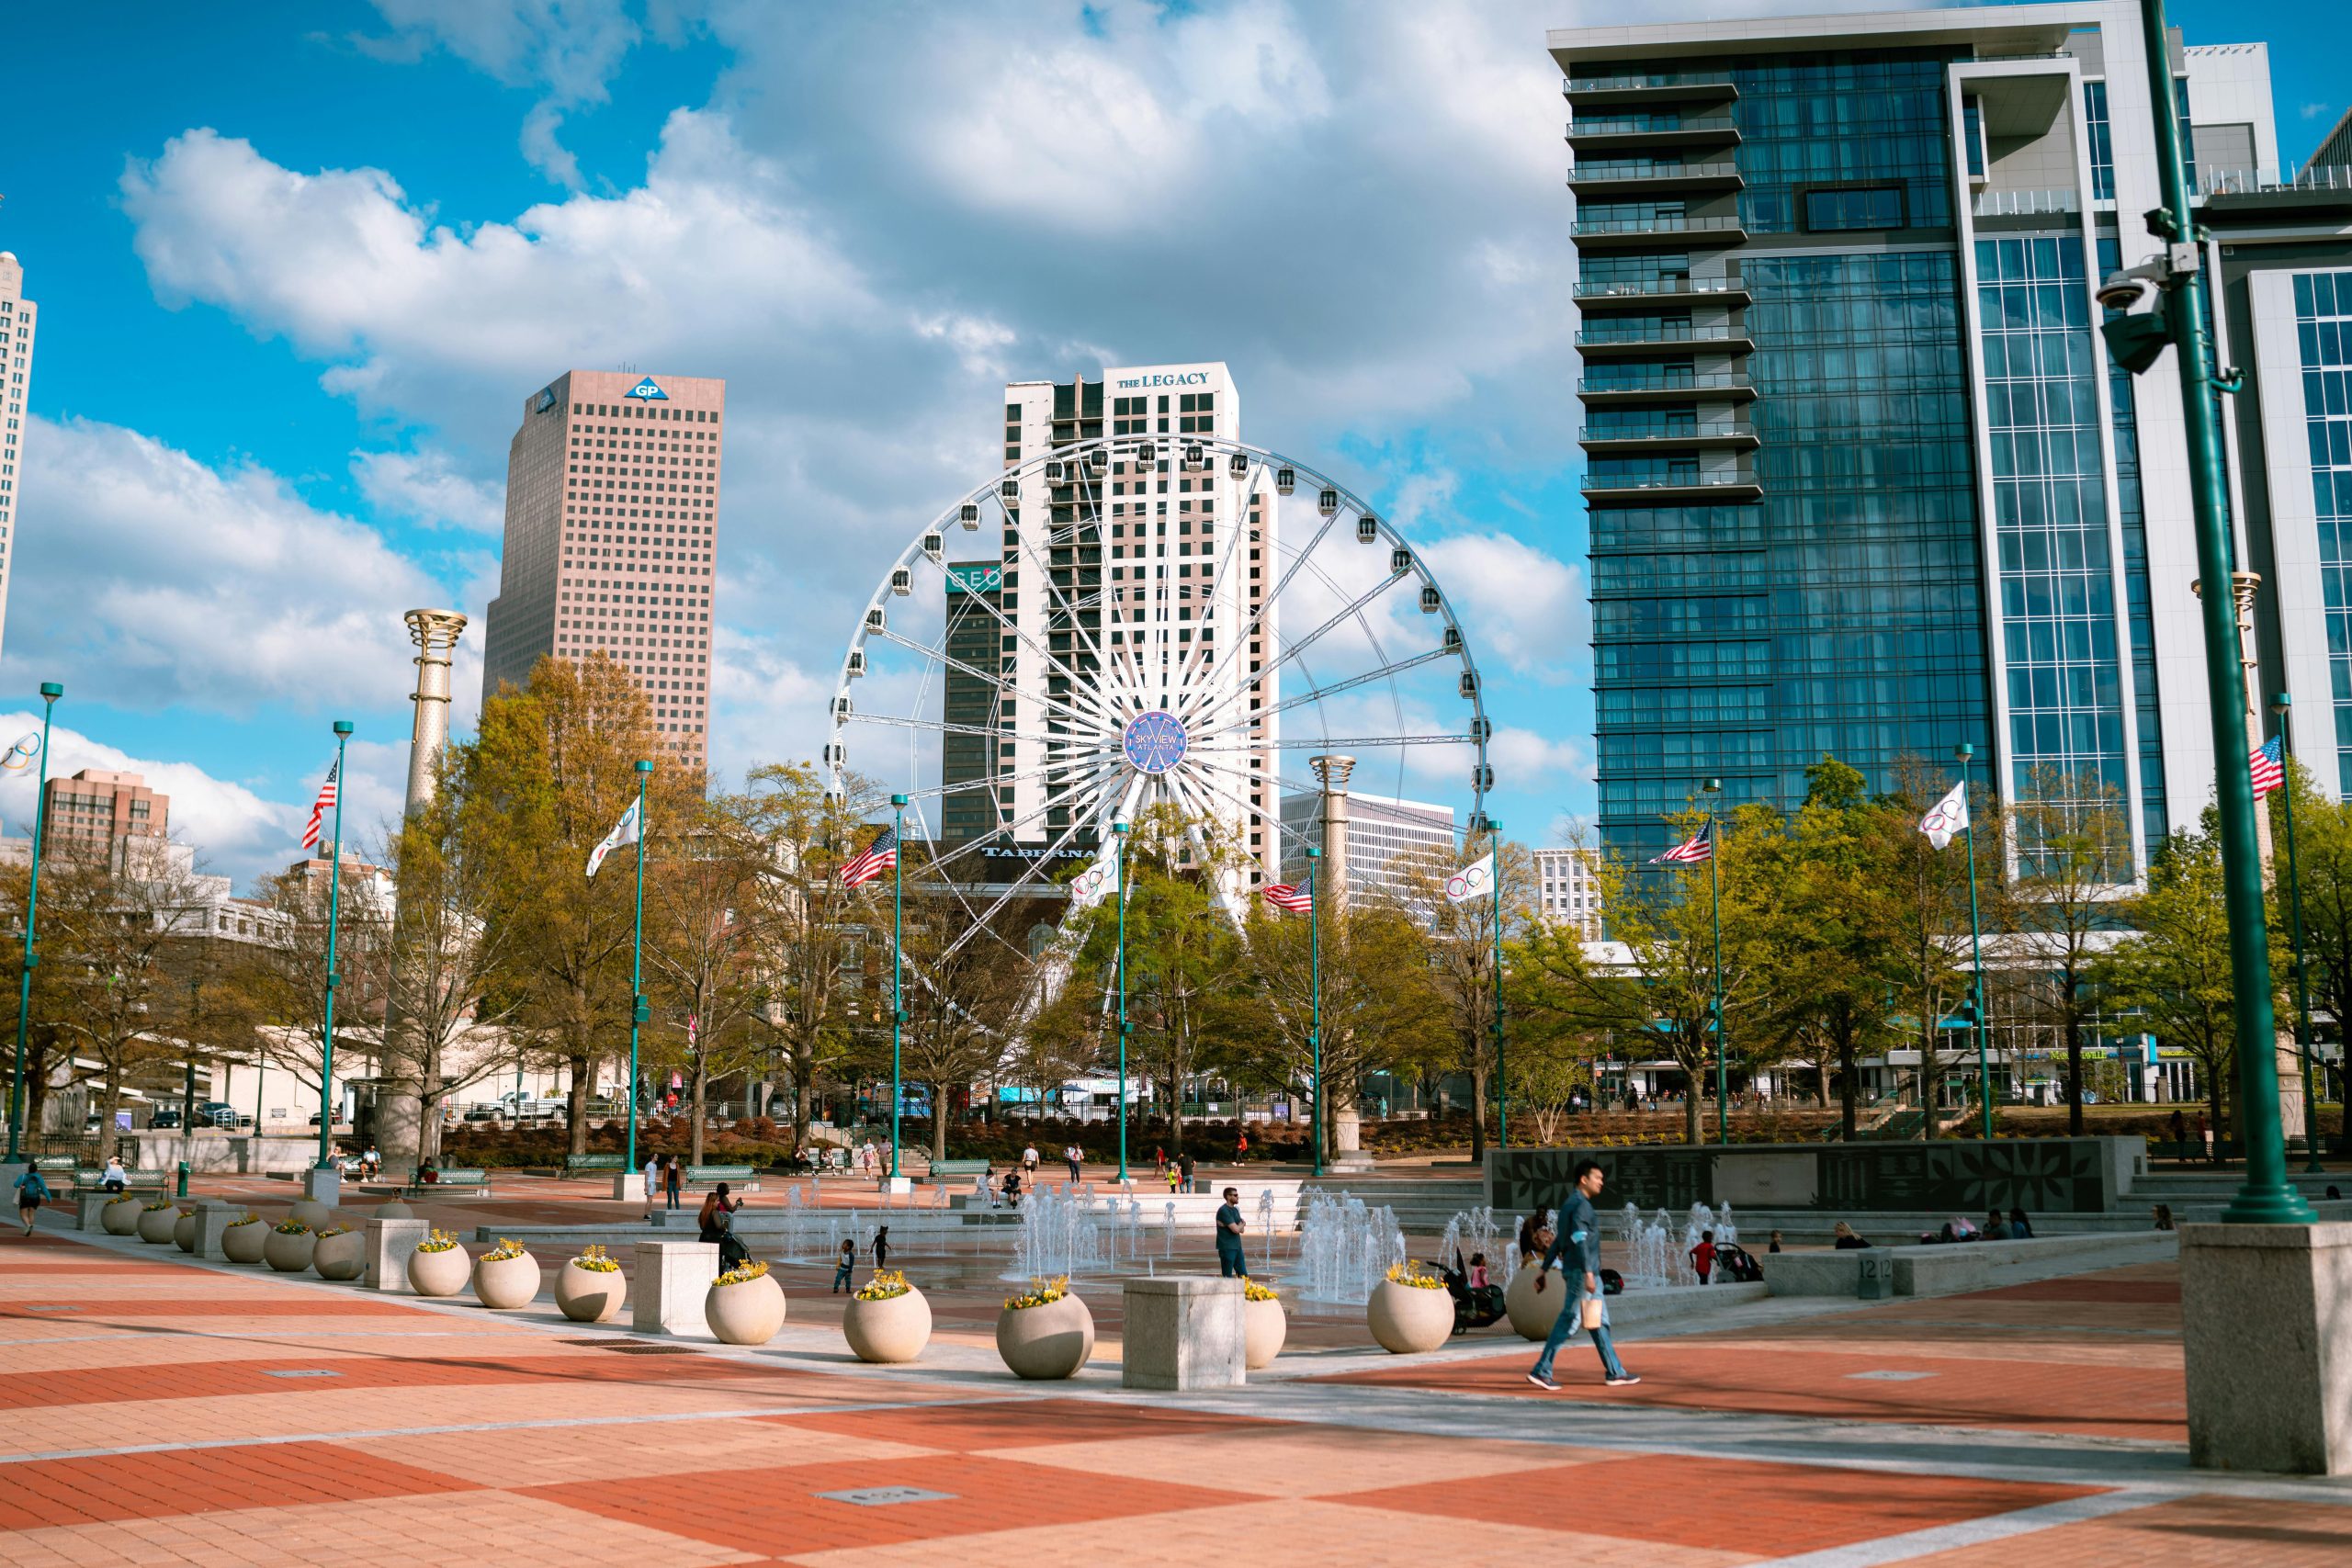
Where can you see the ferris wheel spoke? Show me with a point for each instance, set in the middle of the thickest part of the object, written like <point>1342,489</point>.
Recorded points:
<point>1265,776</point>
<point>1024,638</point>
<point>954,888</point>
<point>1273,596</point>
<point>941,656</point>
<point>1005,829</point>
<point>1226,697</point>
<point>1393,668</point>
<point>990,780</point>
<point>1211,787</point>
<point>1029,873</point>
<point>941,727</point>
<point>1235,537</point>
<point>1326,743</point>
<point>1045,564</point>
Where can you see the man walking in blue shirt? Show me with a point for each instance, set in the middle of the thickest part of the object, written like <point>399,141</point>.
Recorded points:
<point>1579,1235</point>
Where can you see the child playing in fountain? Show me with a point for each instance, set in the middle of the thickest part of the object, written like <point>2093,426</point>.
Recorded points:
<point>1477,1270</point>
<point>842,1267</point>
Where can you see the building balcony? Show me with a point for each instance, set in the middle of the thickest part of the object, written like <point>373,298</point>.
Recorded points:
<point>2026,203</point>
<point>1667,387</point>
<point>1632,439</point>
<point>1651,292</point>
<point>1627,233</point>
<point>1592,134</point>
<point>1622,339</point>
<point>1651,87</point>
<point>1670,488</point>
<point>1603,177</point>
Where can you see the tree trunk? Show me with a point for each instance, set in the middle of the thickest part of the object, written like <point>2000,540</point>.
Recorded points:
<point>1849,1110</point>
<point>1821,1082</point>
<point>114,1100</point>
<point>1690,1105</point>
<point>575,1102</point>
<point>938,1123</point>
<point>803,1105</point>
<point>1931,1077</point>
<point>1477,1118</point>
<point>701,1087</point>
<point>2075,1077</point>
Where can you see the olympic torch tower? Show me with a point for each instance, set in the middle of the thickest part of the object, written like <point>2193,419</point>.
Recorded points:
<point>400,1118</point>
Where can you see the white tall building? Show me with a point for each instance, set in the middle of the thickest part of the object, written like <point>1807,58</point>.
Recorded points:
<point>1136,579</point>
<point>1386,836</point>
<point>15,376</point>
<point>1566,892</point>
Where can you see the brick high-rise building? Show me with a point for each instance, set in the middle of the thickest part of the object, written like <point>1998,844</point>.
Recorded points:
<point>612,514</point>
<point>15,375</point>
<point>99,810</point>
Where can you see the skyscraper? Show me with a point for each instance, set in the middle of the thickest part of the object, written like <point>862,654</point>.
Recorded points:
<point>1128,554</point>
<point>1389,839</point>
<point>612,519</point>
<point>1861,477</point>
<point>16,314</point>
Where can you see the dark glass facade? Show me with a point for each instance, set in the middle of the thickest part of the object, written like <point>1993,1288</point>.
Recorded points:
<point>2323,333</point>
<point>969,701</point>
<point>1809,121</point>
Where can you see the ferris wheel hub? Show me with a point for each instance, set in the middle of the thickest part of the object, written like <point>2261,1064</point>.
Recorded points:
<point>1154,741</point>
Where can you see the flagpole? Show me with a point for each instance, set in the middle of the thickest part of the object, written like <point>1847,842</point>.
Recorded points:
<point>1315,1000</point>
<point>1502,1067</point>
<point>335,891</point>
<point>1119,830</point>
<point>1715,897</point>
<point>638,1013</point>
<point>897,967</point>
<point>1975,948</point>
<point>2283,704</point>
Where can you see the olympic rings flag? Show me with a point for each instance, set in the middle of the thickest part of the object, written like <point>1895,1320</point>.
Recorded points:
<point>21,756</point>
<point>1472,881</point>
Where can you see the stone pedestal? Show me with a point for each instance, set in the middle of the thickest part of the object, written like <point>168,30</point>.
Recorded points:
<point>389,1243</point>
<point>323,1185</point>
<point>86,1204</point>
<point>2266,1327</point>
<point>1183,1332</point>
<point>900,1184</point>
<point>628,1186</point>
<point>213,1221</point>
<point>671,1282</point>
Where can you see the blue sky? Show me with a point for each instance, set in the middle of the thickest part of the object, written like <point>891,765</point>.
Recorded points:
<point>299,265</point>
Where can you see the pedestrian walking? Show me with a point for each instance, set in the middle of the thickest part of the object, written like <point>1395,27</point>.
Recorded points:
<point>1587,1308</point>
<point>652,1183</point>
<point>1029,1163</point>
<point>882,1248</point>
<point>1230,1226</point>
<point>1184,1166</point>
<point>673,1180</point>
<point>844,1267</point>
<point>1074,1157</point>
<point>1242,1145</point>
<point>32,1192</point>
<point>1703,1256</point>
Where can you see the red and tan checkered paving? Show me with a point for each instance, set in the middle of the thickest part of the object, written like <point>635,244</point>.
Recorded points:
<point>162,1412</point>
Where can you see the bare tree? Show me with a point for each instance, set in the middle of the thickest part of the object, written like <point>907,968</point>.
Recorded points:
<point>2073,853</point>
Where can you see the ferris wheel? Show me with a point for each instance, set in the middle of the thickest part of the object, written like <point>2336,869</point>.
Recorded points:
<point>1132,622</point>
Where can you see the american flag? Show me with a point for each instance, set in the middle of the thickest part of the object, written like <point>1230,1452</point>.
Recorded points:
<point>881,855</point>
<point>2268,768</point>
<point>320,807</point>
<point>1699,846</point>
<point>1296,896</point>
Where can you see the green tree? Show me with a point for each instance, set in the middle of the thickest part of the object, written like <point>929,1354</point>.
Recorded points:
<point>1928,958</point>
<point>1462,952</point>
<point>2174,968</point>
<point>2323,871</point>
<point>2072,851</point>
<point>704,908</point>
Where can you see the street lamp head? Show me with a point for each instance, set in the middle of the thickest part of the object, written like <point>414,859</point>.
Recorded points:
<point>2281,701</point>
<point>1964,750</point>
<point>51,691</point>
<point>1118,824</point>
<point>1314,852</point>
<point>898,800</point>
<point>1713,786</point>
<point>645,765</point>
<point>343,727</point>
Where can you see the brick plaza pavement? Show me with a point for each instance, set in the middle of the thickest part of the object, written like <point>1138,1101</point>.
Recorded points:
<point>162,1411</point>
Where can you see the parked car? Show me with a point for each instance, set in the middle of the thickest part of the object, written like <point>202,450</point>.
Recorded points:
<point>483,1112</point>
<point>164,1121</point>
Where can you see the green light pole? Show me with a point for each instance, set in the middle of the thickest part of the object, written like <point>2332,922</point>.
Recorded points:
<point>2283,705</point>
<point>639,1014</point>
<point>1976,952</point>
<point>334,911</point>
<point>1502,1067</point>
<point>898,965</point>
<point>2137,341</point>
<point>1715,897</point>
<point>1315,1000</point>
<point>50,692</point>
<point>1119,830</point>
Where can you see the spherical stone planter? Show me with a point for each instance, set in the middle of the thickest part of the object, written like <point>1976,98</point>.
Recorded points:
<point>442,1273</point>
<point>1405,1318</point>
<point>288,1252</point>
<point>895,1329</point>
<point>1264,1326</point>
<point>155,1225</point>
<point>312,1213</point>
<point>392,1208</point>
<point>589,1295</point>
<point>243,1244</point>
<point>1045,1342</point>
<point>1532,1313</point>
<point>183,1231</point>
<point>745,1313</point>
<point>120,1216</point>
<point>503,1283</point>
<point>343,1256</point>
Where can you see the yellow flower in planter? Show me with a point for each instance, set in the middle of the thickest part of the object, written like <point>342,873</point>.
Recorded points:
<point>744,1274</point>
<point>1410,1275</point>
<point>436,1241</point>
<point>159,1203</point>
<point>1253,1292</point>
<point>504,1249</point>
<point>597,1261</point>
<point>885,1284</point>
<point>334,1230</point>
<point>291,1227</point>
<point>1041,1292</point>
<point>248,1219</point>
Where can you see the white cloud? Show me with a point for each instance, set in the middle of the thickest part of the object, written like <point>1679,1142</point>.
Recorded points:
<point>163,582</point>
<point>425,487</point>
<point>1527,761</point>
<point>1522,605</point>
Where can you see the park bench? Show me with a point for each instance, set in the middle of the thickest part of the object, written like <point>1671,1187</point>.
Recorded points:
<point>743,1175</point>
<point>2193,1150</point>
<point>577,1165</point>
<point>943,1169</point>
<point>474,1183</point>
<point>87,1180</point>
<point>57,1165</point>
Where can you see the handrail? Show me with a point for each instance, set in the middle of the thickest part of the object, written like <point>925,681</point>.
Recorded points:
<point>1716,169</point>
<point>1661,430</point>
<point>1636,125</point>
<point>1636,287</point>
<point>1648,79</point>
<point>1657,224</point>
<point>1675,331</point>
<point>1688,481</point>
<point>1664,381</point>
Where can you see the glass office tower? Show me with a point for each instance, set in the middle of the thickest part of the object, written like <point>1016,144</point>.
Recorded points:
<point>1861,480</point>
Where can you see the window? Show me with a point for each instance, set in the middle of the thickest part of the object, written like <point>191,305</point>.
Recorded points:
<point>1868,207</point>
